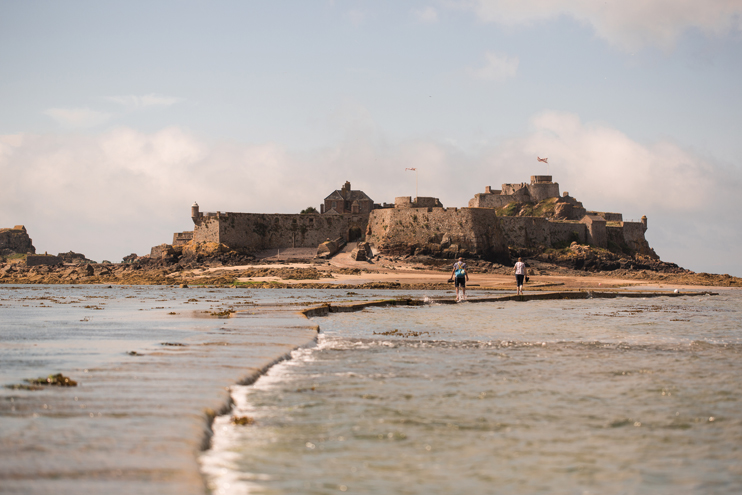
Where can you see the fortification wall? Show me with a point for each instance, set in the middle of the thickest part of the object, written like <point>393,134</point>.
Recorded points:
<point>521,193</point>
<point>526,231</point>
<point>563,232</point>
<point>486,200</point>
<point>633,233</point>
<point>258,231</point>
<point>608,216</point>
<point>43,259</point>
<point>182,238</point>
<point>538,231</point>
<point>448,232</point>
<point>596,230</point>
<point>542,191</point>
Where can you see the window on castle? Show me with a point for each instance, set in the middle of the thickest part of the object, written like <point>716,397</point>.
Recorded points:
<point>334,204</point>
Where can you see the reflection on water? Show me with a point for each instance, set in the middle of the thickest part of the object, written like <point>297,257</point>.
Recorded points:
<point>593,396</point>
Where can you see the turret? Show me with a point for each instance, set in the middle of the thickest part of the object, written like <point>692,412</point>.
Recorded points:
<point>195,214</point>
<point>644,221</point>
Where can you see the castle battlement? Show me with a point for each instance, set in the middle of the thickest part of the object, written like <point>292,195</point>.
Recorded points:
<point>424,226</point>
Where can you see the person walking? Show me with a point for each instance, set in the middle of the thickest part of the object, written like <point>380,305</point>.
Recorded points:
<point>460,275</point>
<point>520,275</point>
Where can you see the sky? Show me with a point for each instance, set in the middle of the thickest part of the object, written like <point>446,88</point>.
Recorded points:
<point>116,116</point>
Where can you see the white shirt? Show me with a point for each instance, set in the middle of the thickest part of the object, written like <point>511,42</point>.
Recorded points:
<point>520,268</point>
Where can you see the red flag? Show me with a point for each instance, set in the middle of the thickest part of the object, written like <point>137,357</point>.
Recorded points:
<point>545,160</point>
<point>410,169</point>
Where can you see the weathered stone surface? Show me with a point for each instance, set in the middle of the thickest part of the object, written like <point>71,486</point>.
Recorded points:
<point>401,231</point>
<point>562,211</point>
<point>130,258</point>
<point>162,252</point>
<point>330,247</point>
<point>362,252</point>
<point>72,257</point>
<point>42,259</point>
<point>15,240</point>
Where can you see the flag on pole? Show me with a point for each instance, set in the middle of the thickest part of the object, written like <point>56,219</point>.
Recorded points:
<point>411,169</point>
<point>545,160</point>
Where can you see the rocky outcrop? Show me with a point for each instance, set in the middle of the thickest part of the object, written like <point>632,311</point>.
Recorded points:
<point>592,259</point>
<point>328,248</point>
<point>72,257</point>
<point>362,252</point>
<point>15,240</point>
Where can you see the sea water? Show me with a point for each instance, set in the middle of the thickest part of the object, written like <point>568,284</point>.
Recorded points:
<point>597,396</point>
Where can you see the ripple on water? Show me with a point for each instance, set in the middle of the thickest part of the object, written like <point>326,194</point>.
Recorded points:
<point>603,396</point>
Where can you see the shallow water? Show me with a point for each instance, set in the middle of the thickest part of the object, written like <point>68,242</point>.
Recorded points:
<point>589,396</point>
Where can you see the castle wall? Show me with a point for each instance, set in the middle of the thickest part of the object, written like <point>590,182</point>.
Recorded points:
<point>596,230</point>
<point>476,231</point>
<point>538,231</point>
<point>633,233</point>
<point>259,231</point>
<point>487,200</point>
<point>43,259</point>
<point>526,231</point>
<point>542,191</point>
<point>561,232</point>
<point>182,238</point>
<point>521,193</point>
<point>608,216</point>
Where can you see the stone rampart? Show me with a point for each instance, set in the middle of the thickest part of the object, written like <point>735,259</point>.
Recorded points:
<point>490,200</point>
<point>182,238</point>
<point>43,259</point>
<point>445,232</point>
<point>258,231</point>
<point>539,231</point>
<point>518,193</point>
<point>608,216</point>
<point>596,230</point>
<point>526,231</point>
<point>565,232</point>
<point>633,233</point>
<point>541,191</point>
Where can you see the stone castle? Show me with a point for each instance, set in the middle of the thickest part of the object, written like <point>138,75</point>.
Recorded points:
<point>521,215</point>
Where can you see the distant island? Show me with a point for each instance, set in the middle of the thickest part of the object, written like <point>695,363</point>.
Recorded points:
<point>532,220</point>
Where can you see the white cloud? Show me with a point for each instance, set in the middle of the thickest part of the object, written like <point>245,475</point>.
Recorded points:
<point>600,164</point>
<point>150,100</point>
<point>628,24</point>
<point>78,117</point>
<point>427,15</point>
<point>496,67</point>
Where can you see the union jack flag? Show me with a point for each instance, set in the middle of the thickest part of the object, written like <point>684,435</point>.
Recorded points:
<point>410,169</point>
<point>545,160</point>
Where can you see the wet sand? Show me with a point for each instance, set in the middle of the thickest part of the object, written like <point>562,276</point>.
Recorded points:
<point>136,422</point>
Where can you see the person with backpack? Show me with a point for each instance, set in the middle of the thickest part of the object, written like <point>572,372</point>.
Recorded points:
<point>460,276</point>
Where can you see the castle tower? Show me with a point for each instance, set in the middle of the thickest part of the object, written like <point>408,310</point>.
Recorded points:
<point>644,221</point>
<point>195,214</point>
